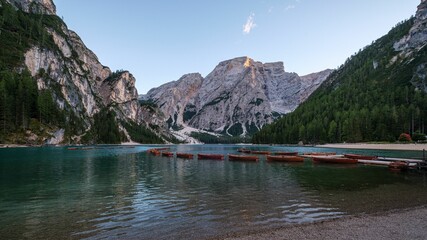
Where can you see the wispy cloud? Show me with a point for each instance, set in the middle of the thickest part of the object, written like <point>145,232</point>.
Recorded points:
<point>289,7</point>
<point>250,24</point>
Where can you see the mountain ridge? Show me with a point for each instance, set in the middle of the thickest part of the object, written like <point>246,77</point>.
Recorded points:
<point>236,99</point>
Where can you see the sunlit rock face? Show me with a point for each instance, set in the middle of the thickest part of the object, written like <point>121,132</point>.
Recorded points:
<point>238,97</point>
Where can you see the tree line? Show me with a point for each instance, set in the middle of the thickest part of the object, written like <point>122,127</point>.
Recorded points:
<point>369,98</point>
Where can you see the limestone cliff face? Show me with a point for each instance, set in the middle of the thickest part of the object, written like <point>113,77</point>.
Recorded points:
<point>81,83</point>
<point>413,43</point>
<point>238,97</point>
<point>176,98</point>
<point>417,36</point>
<point>35,6</point>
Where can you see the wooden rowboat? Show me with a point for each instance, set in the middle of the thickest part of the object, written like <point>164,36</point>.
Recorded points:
<point>167,154</point>
<point>260,152</point>
<point>286,153</point>
<point>362,157</point>
<point>320,154</point>
<point>210,156</point>
<point>72,148</point>
<point>184,155</point>
<point>328,159</point>
<point>244,150</point>
<point>232,157</point>
<point>284,158</point>
<point>162,149</point>
<point>398,166</point>
<point>154,152</point>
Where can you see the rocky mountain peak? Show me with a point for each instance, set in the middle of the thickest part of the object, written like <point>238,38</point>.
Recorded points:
<point>237,98</point>
<point>35,6</point>
<point>417,36</point>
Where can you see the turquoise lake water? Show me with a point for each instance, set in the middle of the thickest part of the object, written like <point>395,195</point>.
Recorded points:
<point>121,192</point>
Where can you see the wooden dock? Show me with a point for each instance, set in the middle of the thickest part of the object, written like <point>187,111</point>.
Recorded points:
<point>400,159</point>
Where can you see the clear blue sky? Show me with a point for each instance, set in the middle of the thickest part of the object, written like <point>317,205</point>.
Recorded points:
<point>159,41</point>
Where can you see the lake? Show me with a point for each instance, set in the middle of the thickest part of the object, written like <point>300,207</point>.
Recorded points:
<point>114,192</point>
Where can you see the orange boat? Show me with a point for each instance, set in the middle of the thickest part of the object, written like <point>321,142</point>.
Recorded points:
<point>286,153</point>
<point>398,166</point>
<point>184,155</point>
<point>244,150</point>
<point>260,152</point>
<point>154,151</point>
<point>328,159</point>
<point>285,158</point>
<point>210,156</point>
<point>167,154</point>
<point>362,157</point>
<point>162,149</point>
<point>232,157</point>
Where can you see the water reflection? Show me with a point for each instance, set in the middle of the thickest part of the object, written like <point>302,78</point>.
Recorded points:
<point>126,193</point>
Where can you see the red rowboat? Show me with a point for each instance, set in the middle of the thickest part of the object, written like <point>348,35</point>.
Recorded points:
<point>327,159</point>
<point>398,166</point>
<point>210,156</point>
<point>184,155</point>
<point>167,154</point>
<point>362,157</point>
<point>260,152</point>
<point>162,149</point>
<point>284,158</point>
<point>286,153</point>
<point>232,157</point>
<point>244,150</point>
<point>155,152</point>
<point>320,153</point>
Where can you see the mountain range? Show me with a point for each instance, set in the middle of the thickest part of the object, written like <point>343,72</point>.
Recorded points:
<point>53,89</point>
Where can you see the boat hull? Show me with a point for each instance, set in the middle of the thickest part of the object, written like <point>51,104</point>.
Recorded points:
<point>260,152</point>
<point>361,157</point>
<point>210,156</point>
<point>398,166</point>
<point>184,155</point>
<point>286,153</point>
<point>232,157</point>
<point>167,154</point>
<point>339,160</point>
<point>244,150</point>
<point>284,158</point>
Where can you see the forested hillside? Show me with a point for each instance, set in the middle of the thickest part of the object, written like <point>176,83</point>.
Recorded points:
<point>53,89</point>
<point>371,97</point>
<point>22,106</point>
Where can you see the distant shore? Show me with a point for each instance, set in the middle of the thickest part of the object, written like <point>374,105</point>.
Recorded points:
<point>378,146</point>
<point>397,224</point>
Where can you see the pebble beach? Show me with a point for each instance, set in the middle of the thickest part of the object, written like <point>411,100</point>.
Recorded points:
<point>396,224</point>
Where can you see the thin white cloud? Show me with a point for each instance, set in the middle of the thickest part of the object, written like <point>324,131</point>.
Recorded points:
<point>250,24</point>
<point>289,7</point>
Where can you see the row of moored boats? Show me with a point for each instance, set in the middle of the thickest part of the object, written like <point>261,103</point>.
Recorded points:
<point>317,157</point>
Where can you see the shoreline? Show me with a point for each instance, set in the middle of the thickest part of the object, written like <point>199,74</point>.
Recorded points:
<point>370,146</point>
<point>394,224</point>
<point>377,146</point>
